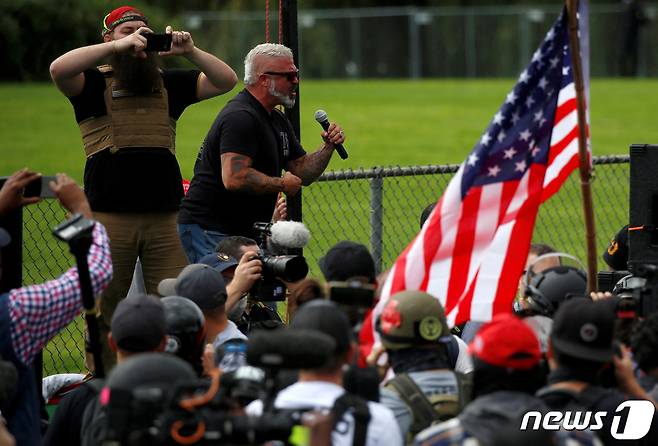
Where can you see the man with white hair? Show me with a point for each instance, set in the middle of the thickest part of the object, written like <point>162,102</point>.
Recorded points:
<point>237,175</point>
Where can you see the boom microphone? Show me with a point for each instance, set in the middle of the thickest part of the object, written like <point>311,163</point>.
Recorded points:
<point>289,349</point>
<point>289,234</point>
<point>323,120</point>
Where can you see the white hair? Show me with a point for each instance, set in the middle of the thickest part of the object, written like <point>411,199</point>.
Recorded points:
<point>264,49</point>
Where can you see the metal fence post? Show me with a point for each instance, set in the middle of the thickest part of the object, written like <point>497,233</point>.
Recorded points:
<point>377,219</point>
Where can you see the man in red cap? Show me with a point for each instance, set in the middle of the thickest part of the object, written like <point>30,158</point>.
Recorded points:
<point>127,113</point>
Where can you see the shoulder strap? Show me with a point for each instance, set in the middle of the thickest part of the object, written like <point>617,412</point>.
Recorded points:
<point>360,412</point>
<point>422,411</point>
<point>452,348</point>
<point>465,386</point>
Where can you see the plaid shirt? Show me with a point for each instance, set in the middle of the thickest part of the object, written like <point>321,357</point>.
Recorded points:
<point>39,312</point>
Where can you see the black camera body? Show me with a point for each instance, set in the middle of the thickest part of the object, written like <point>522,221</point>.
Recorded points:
<point>643,300</point>
<point>277,269</point>
<point>158,42</point>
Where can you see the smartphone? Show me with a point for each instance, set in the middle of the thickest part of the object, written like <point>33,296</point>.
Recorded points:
<point>158,42</point>
<point>40,188</point>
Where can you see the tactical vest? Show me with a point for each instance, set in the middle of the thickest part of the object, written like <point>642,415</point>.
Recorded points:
<point>131,121</point>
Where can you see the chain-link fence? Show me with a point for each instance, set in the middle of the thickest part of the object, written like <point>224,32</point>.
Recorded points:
<point>415,42</point>
<point>378,207</point>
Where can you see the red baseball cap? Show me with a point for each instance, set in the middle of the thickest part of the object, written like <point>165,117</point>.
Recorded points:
<point>116,17</point>
<point>506,342</point>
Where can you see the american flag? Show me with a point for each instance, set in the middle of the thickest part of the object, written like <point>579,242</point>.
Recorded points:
<point>472,249</point>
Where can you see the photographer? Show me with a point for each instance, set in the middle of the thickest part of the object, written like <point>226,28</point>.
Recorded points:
<point>31,316</point>
<point>319,388</point>
<point>127,112</point>
<point>581,348</point>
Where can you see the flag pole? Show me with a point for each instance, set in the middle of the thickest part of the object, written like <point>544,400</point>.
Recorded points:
<point>585,167</point>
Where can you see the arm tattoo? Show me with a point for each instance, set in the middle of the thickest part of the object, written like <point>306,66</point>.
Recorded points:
<point>244,178</point>
<point>311,166</point>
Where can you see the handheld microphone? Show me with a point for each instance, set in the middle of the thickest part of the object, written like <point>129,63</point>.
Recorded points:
<point>323,120</point>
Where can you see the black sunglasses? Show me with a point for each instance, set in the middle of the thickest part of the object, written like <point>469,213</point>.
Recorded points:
<point>290,75</point>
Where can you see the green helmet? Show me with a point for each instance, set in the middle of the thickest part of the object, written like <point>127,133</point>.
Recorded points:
<point>412,318</point>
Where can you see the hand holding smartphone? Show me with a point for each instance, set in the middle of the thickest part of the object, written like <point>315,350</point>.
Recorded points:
<point>158,42</point>
<point>40,188</point>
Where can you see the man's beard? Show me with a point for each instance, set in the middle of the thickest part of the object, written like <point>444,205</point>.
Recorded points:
<point>285,100</point>
<point>141,76</point>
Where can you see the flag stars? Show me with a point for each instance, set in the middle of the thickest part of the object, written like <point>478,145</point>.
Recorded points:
<point>493,171</point>
<point>542,121</point>
<point>535,151</point>
<point>515,118</point>
<point>539,116</point>
<point>485,139</point>
<point>523,78</point>
<point>520,166</point>
<point>498,118</point>
<point>529,102</point>
<point>509,153</point>
<point>554,61</point>
<point>565,71</point>
<point>472,159</point>
<point>511,98</point>
<point>536,56</point>
<point>525,135</point>
<point>501,136</point>
<point>543,83</point>
<point>549,35</point>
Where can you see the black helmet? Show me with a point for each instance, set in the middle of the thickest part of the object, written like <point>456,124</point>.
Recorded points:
<point>186,329</point>
<point>549,288</point>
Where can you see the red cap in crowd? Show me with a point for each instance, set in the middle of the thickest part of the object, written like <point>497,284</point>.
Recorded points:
<point>116,17</point>
<point>506,342</point>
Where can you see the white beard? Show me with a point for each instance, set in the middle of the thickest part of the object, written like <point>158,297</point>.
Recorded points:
<point>285,100</point>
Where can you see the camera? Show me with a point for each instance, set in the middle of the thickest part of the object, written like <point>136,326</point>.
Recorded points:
<point>606,280</point>
<point>40,188</point>
<point>72,228</point>
<point>276,268</point>
<point>638,293</point>
<point>157,42</point>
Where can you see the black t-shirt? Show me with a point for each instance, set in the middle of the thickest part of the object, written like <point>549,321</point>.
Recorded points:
<point>245,127</point>
<point>134,179</point>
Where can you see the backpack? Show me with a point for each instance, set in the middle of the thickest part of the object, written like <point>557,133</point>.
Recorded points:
<point>437,408</point>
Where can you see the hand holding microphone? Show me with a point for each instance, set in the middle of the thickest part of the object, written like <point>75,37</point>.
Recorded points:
<point>323,120</point>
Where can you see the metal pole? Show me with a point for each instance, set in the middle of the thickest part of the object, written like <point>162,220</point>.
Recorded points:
<point>470,46</point>
<point>376,220</point>
<point>414,45</point>
<point>290,39</point>
<point>585,169</point>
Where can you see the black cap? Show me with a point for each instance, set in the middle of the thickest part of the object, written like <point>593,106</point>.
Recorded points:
<point>219,261</point>
<point>202,284</point>
<point>345,260</point>
<point>138,324</point>
<point>616,254</point>
<point>324,316</point>
<point>584,329</point>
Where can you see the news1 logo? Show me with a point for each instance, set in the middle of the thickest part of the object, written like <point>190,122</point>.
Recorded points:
<point>632,420</point>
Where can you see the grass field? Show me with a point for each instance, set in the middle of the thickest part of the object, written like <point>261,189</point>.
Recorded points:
<point>387,123</point>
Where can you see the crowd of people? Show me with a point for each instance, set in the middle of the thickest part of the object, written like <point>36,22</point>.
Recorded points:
<point>199,358</point>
